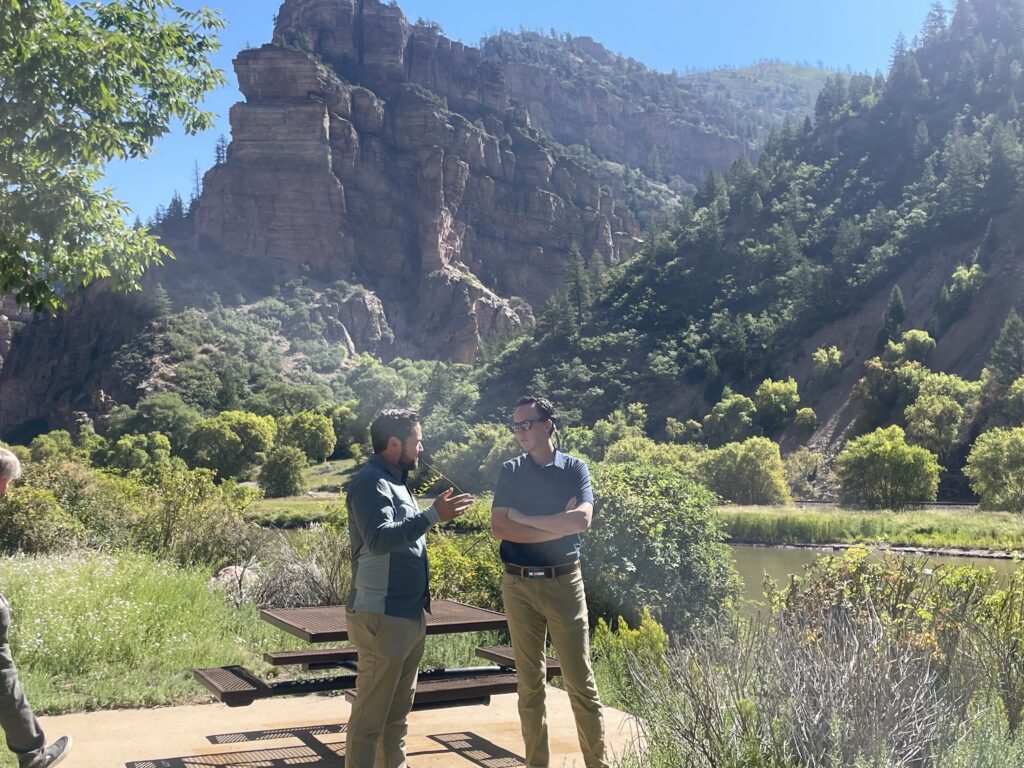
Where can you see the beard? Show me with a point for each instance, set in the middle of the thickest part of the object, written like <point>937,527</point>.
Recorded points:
<point>407,463</point>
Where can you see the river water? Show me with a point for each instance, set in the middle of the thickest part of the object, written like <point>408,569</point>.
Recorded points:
<point>780,562</point>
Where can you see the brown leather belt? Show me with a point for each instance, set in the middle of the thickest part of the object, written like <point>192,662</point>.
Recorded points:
<point>542,571</point>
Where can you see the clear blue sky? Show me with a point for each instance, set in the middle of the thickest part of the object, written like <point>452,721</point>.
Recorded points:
<point>663,34</point>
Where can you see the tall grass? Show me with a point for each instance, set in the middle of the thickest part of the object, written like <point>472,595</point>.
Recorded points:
<point>93,631</point>
<point>934,528</point>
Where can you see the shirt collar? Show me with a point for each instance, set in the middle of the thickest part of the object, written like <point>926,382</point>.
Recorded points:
<point>557,461</point>
<point>390,469</point>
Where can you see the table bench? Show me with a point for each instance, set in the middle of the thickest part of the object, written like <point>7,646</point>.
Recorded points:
<point>237,686</point>
<point>312,658</point>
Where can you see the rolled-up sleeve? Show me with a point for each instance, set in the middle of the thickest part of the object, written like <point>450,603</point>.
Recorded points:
<point>372,507</point>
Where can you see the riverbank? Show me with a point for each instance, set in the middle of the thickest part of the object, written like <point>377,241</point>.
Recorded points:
<point>957,531</point>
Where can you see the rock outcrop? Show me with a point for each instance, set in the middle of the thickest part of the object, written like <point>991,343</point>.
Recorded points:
<point>62,367</point>
<point>388,156</point>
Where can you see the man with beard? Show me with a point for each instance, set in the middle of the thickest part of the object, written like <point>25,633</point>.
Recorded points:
<point>390,581</point>
<point>542,503</point>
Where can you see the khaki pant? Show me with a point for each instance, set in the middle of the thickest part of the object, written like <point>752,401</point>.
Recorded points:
<point>390,649</point>
<point>536,607</point>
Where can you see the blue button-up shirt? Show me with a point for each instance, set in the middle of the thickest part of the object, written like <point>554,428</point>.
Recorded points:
<point>390,573</point>
<point>535,490</point>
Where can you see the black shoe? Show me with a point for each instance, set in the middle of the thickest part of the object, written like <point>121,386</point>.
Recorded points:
<point>53,754</point>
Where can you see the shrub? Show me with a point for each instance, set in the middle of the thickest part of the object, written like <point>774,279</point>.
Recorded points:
<point>750,472</point>
<point>476,518</point>
<point>681,459</point>
<point>802,468</point>
<point>108,506</point>
<point>313,567</point>
<point>995,467</point>
<point>615,649</point>
<point>231,442</point>
<point>282,474</point>
<point>828,363</point>
<point>857,663</point>
<point>775,403</point>
<point>32,521</point>
<point>731,420</point>
<point>465,567</point>
<point>311,433</point>
<point>473,465</point>
<point>805,422</point>
<point>880,470</point>
<point>195,520</point>
<point>935,422</point>
<point>655,544</point>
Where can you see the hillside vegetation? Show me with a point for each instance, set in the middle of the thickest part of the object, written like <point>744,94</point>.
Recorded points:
<point>871,191</point>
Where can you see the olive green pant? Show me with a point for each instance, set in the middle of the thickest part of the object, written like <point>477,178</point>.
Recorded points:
<point>390,649</point>
<point>558,606</point>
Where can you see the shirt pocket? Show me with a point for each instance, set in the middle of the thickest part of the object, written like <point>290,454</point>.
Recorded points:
<point>406,508</point>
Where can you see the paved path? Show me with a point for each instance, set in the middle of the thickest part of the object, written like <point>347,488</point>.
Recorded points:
<point>309,732</point>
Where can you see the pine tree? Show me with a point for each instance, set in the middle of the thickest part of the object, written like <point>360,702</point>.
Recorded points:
<point>1006,362</point>
<point>175,209</point>
<point>895,314</point>
<point>934,28</point>
<point>197,188</point>
<point>220,150</point>
<point>922,141</point>
<point>1005,169</point>
<point>965,21</point>
<point>160,301</point>
<point>578,287</point>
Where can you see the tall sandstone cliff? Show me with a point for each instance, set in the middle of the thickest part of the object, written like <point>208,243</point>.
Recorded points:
<point>389,156</point>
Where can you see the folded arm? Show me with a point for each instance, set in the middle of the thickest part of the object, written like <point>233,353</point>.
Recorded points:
<point>576,518</point>
<point>504,527</point>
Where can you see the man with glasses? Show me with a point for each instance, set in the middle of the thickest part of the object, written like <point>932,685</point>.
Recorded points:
<point>390,581</point>
<point>542,502</point>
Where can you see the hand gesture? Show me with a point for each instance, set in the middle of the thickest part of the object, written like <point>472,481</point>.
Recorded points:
<point>571,505</point>
<point>449,507</point>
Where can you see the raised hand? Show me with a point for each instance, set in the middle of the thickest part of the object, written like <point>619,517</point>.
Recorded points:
<point>449,507</point>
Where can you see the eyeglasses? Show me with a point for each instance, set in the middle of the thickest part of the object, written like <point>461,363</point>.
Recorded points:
<point>524,425</point>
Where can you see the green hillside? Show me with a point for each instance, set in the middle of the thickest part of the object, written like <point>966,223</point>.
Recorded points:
<point>889,174</point>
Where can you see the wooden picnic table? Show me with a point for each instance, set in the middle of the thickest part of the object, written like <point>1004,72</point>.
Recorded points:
<point>328,624</point>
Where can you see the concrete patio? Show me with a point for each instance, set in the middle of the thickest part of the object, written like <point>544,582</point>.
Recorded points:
<point>309,731</point>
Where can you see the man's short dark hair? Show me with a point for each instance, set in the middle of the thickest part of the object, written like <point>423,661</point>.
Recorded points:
<point>392,422</point>
<point>544,406</point>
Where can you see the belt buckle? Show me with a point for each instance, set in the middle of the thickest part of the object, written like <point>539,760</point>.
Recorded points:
<point>534,573</point>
